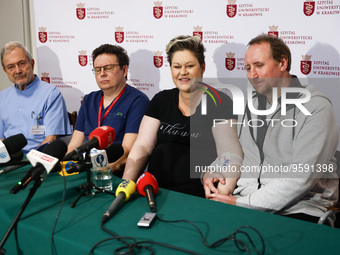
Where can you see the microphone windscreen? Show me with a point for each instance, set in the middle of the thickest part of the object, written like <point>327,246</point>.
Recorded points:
<point>16,157</point>
<point>105,136</point>
<point>41,147</point>
<point>56,149</point>
<point>15,143</point>
<point>114,152</point>
<point>144,180</point>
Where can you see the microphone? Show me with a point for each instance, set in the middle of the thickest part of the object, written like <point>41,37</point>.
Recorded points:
<point>70,164</point>
<point>43,163</point>
<point>123,192</point>
<point>147,185</point>
<point>113,153</point>
<point>99,138</point>
<point>99,158</point>
<point>14,166</point>
<point>66,165</point>
<point>10,146</point>
<point>15,160</point>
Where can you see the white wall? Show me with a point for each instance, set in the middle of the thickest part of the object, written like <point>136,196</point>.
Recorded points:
<point>16,24</point>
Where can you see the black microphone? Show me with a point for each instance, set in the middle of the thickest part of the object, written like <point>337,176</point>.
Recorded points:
<point>10,149</point>
<point>74,166</point>
<point>17,162</point>
<point>99,138</point>
<point>16,159</point>
<point>43,163</point>
<point>123,193</point>
<point>14,166</point>
<point>114,152</point>
<point>147,185</point>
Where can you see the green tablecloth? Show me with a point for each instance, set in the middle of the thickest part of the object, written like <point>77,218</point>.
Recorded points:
<point>78,229</point>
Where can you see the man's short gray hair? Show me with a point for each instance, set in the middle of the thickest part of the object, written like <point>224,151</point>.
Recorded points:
<point>11,46</point>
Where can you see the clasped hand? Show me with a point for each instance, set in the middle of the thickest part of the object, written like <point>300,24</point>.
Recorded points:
<point>218,188</point>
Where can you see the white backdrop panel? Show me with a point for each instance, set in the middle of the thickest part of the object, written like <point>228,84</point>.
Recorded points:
<point>74,29</point>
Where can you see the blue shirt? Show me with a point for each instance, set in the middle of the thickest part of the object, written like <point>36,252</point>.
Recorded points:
<point>125,116</point>
<point>39,104</point>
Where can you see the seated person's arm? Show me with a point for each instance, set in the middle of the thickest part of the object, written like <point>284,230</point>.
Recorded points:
<point>55,120</point>
<point>229,152</point>
<point>77,139</point>
<point>48,139</point>
<point>142,148</point>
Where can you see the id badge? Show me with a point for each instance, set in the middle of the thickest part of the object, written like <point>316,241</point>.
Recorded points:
<point>37,130</point>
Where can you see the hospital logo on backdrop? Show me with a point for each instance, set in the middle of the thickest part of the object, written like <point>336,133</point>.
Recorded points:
<point>119,35</point>
<point>82,58</point>
<point>231,8</point>
<point>45,77</point>
<point>58,81</point>
<point>171,11</point>
<point>306,64</point>
<point>42,34</point>
<point>80,11</point>
<point>212,36</point>
<point>290,36</point>
<point>230,61</point>
<point>93,12</point>
<point>158,10</point>
<point>131,36</point>
<point>309,7</point>
<point>325,67</point>
<point>54,36</point>
<point>273,30</point>
<point>158,59</point>
<point>323,8</point>
<point>198,32</point>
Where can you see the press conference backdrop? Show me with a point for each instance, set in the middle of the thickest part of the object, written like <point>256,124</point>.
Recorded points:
<point>67,31</point>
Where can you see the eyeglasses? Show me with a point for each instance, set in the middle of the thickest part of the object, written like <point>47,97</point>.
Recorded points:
<point>107,68</point>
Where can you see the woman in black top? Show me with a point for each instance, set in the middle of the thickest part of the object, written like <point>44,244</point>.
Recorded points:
<point>175,138</point>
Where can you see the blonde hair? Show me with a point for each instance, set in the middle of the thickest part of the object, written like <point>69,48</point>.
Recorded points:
<point>186,42</point>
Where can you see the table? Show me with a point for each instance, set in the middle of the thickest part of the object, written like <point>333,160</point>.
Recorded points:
<point>78,229</point>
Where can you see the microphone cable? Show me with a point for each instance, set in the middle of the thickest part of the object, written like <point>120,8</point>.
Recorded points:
<point>241,245</point>
<point>131,247</point>
<point>57,218</point>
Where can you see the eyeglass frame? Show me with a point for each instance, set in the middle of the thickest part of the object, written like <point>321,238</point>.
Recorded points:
<point>104,67</point>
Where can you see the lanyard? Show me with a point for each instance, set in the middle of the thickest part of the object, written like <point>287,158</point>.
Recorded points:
<point>108,110</point>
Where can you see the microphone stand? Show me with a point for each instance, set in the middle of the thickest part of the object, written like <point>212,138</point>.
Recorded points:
<point>17,217</point>
<point>89,185</point>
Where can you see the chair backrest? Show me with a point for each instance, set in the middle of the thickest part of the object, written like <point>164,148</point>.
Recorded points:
<point>73,119</point>
<point>337,157</point>
<point>334,209</point>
